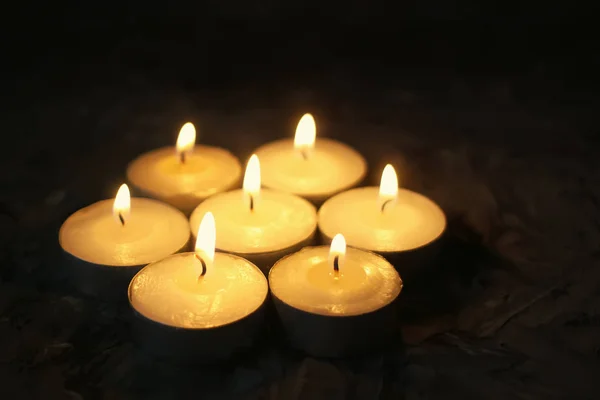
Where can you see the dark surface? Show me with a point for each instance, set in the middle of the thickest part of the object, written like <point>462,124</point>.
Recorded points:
<point>495,120</point>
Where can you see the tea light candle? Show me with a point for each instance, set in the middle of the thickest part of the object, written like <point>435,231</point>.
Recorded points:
<point>198,307</point>
<point>257,224</point>
<point>312,170</point>
<point>185,175</point>
<point>387,220</point>
<point>107,244</point>
<point>335,301</point>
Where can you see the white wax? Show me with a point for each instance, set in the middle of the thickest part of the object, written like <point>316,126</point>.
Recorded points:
<point>152,231</point>
<point>279,220</point>
<point>410,222</point>
<point>330,167</point>
<point>170,292</point>
<point>206,171</point>
<point>305,280</point>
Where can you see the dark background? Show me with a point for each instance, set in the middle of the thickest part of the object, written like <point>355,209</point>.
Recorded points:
<point>393,60</point>
<point>490,108</point>
<point>223,43</point>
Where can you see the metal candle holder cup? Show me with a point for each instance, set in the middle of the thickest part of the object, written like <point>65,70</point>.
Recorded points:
<point>337,336</point>
<point>328,313</point>
<point>196,346</point>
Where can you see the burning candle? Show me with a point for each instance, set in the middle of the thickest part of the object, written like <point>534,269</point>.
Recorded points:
<point>198,307</point>
<point>313,170</point>
<point>385,219</point>
<point>335,301</point>
<point>185,175</point>
<point>260,225</point>
<point>109,241</point>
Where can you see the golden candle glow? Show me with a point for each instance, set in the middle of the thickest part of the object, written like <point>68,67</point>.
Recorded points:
<point>122,204</point>
<point>205,244</point>
<point>306,132</point>
<point>337,252</point>
<point>251,183</point>
<point>186,140</point>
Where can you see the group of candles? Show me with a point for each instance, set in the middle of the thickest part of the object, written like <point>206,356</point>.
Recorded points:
<point>206,304</point>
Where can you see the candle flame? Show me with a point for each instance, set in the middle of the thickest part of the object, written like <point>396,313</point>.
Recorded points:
<point>306,131</point>
<point>205,241</point>
<point>388,189</point>
<point>337,250</point>
<point>122,204</point>
<point>251,183</point>
<point>186,138</point>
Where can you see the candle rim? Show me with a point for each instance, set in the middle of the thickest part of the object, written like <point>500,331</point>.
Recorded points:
<point>109,201</point>
<point>199,329</point>
<point>326,247</point>
<point>320,143</point>
<point>341,316</point>
<point>140,181</point>
<point>444,225</point>
<point>265,191</point>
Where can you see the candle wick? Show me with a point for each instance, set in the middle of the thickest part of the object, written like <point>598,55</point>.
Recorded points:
<point>203,264</point>
<point>182,157</point>
<point>251,203</point>
<point>336,264</point>
<point>304,154</point>
<point>385,203</point>
<point>121,219</point>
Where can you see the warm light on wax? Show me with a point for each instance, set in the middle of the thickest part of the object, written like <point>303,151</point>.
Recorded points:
<point>200,289</point>
<point>251,183</point>
<point>108,233</point>
<point>307,280</point>
<point>122,204</point>
<point>311,167</point>
<point>385,219</point>
<point>337,252</point>
<point>306,132</point>
<point>186,174</point>
<point>388,188</point>
<point>186,140</point>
